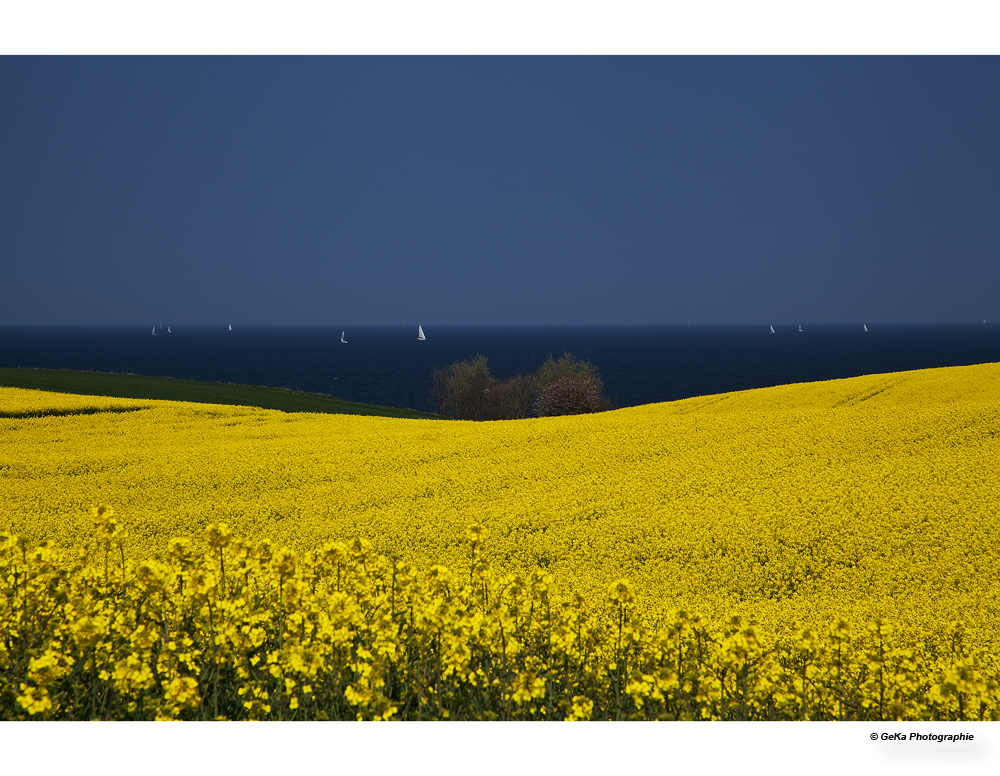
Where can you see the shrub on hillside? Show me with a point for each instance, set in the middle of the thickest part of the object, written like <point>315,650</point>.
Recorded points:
<point>466,390</point>
<point>567,386</point>
<point>461,389</point>
<point>567,396</point>
<point>510,399</point>
<point>567,365</point>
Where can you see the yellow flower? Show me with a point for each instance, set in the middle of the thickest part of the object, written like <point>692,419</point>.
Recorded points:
<point>34,700</point>
<point>218,535</point>
<point>474,533</point>
<point>182,692</point>
<point>582,709</point>
<point>101,513</point>
<point>620,593</point>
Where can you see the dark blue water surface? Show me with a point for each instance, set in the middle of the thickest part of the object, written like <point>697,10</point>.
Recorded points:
<point>388,365</point>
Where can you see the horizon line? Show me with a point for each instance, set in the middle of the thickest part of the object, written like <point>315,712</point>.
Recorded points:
<point>859,322</point>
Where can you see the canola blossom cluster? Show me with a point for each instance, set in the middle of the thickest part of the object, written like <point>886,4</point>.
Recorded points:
<point>868,500</point>
<point>255,632</point>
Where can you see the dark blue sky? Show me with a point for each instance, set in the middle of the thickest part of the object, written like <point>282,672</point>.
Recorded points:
<point>499,190</point>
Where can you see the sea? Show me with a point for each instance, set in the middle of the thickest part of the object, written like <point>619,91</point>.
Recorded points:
<point>388,365</point>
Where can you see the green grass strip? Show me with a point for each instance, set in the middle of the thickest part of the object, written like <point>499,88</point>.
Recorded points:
<point>171,389</point>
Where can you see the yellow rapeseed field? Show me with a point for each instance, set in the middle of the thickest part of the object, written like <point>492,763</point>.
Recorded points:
<point>866,506</point>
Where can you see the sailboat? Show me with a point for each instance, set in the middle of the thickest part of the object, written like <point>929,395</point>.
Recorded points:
<point>154,331</point>
<point>772,330</point>
<point>800,327</point>
<point>342,337</point>
<point>420,332</point>
<point>168,329</point>
<point>230,327</point>
<point>865,325</point>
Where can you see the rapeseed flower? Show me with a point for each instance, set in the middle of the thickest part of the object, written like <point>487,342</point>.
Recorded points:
<point>830,563</point>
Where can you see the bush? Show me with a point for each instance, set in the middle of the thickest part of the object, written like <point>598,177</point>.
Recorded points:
<point>467,391</point>
<point>510,399</point>
<point>461,390</point>
<point>566,386</point>
<point>553,369</point>
<point>567,396</point>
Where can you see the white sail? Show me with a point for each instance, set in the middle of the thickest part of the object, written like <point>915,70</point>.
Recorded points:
<point>154,331</point>
<point>168,329</point>
<point>342,337</point>
<point>772,330</point>
<point>865,325</point>
<point>230,327</point>
<point>800,327</point>
<point>420,333</point>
